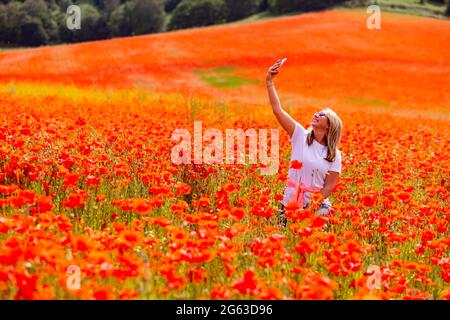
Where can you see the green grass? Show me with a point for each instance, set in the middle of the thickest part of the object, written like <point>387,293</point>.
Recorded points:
<point>366,102</point>
<point>223,77</point>
<point>5,49</point>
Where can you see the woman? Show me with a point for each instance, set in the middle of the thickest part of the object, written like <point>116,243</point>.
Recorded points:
<point>315,148</point>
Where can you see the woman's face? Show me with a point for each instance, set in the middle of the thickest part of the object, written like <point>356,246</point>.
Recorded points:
<point>320,120</point>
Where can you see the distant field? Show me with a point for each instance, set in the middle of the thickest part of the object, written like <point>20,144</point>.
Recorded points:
<point>331,56</point>
<point>408,7</point>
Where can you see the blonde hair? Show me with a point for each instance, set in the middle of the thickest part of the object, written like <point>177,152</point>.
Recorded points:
<point>333,136</point>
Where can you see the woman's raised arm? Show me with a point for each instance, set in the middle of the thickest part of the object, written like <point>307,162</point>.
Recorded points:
<point>285,120</point>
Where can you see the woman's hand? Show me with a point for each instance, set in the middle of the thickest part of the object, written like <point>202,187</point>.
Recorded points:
<point>283,117</point>
<point>274,70</point>
<point>330,183</point>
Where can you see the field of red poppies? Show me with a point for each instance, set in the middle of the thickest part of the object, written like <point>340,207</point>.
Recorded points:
<point>92,206</point>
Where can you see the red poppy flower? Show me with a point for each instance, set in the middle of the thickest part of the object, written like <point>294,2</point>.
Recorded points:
<point>296,165</point>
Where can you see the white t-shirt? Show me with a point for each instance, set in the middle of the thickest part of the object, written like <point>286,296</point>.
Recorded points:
<point>315,167</point>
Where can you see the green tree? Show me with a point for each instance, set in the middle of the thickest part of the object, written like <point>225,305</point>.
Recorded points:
<point>119,22</point>
<point>44,12</point>
<point>111,5</point>
<point>3,23</point>
<point>15,18</point>
<point>92,25</point>
<point>147,16</point>
<point>264,5</point>
<point>170,5</point>
<point>35,8</point>
<point>238,9</point>
<point>137,17</point>
<point>32,32</point>
<point>192,13</point>
<point>285,6</point>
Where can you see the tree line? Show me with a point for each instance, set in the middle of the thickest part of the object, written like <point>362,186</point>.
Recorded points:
<point>41,22</point>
